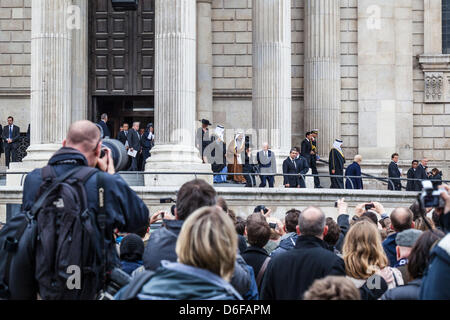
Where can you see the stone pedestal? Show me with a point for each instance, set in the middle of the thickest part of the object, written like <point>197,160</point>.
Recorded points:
<point>175,95</point>
<point>322,71</point>
<point>51,83</point>
<point>204,61</point>
<point>272,76</point>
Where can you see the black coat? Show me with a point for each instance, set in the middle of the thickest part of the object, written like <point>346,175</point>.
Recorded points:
<point>306,149</point>
<point>122,137</point>
<point>302,168</point>
<point>106,132</point>
<point>290,168</point>
<point>411,185</point>
<point>336,162</point>
<point>15,135</point>
<point>134,140</point>
<point>394,172</point>
<point>255,258</point>
<point>420,174</point>
<point>291,273</point>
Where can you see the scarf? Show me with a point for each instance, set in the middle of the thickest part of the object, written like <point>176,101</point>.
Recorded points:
<point>337,145</point>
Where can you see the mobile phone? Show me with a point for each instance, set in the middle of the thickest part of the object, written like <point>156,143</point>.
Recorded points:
<point>273,225</point>
<point>335,204</point>
<point>369,206</point>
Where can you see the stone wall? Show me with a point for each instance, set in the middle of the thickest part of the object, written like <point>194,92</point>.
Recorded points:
<point>15,48</point>
<point>431,120</point>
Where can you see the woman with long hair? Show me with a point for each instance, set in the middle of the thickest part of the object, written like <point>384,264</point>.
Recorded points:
<point>364,256</point>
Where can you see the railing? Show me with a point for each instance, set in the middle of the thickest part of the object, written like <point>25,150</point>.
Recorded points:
<point>301,176</point>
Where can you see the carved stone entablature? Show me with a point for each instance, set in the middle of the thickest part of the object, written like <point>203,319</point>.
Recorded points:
<point>436,70</point>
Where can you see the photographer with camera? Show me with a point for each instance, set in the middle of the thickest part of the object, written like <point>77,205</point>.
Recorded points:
<point>97,201</point>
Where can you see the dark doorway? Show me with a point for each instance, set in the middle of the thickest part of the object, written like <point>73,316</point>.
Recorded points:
<point>121,63</point>
<point>125,109</point>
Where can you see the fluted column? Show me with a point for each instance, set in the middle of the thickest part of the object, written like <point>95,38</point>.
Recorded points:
<point>322,71</point>
<point>204,61</point>
<point>272,74</point>
<point>51,68</point>
<point>175,94</point>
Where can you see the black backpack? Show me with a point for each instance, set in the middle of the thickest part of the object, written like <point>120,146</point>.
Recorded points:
<point>55,249</point>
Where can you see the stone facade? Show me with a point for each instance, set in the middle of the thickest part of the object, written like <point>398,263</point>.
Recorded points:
<point>394,88</point>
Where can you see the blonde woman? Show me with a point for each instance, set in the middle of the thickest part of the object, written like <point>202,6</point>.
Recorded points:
<point>364,256</point>
<point>206,250</point>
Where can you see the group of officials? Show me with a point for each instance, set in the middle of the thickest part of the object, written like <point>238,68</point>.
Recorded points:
<point>10,139</point>
<point>137,141</point>
<point>236,163</point>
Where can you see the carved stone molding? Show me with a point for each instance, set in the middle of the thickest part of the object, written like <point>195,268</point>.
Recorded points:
<point>436,68</point>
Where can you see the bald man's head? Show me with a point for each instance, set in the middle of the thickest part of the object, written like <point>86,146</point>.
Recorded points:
<point>83,136</point>
<point>311,222</point>
<point>401,219</point>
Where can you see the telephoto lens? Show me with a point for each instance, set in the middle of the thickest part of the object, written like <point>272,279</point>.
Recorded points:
<point>118,153</point>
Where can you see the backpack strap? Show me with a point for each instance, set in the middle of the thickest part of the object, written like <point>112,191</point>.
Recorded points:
<point>101,221</point>
<point>262,271</point>
<point>39,202</point>
<point>135,286</point>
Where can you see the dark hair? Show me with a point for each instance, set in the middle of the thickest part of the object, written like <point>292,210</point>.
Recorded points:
<point>292,150</point>
<point>193,195</point>
<point>297,149</point>
<point>334,232</point>
<point>414,161</point>
<point>332,288</point>
<point>435,217</point>
<point>401,223</point>
<point>307,133</point>
<point>232,215</point>
<point>435,171</point>
<point>240,225</point>
<point>11,118</point>
<point>258,230</point>
<point>383,222</point>
<point>416,210</point>
<point>372,216</point>
<point>142,231</point>
<point>394,155</point>
<point>131,248</point>
<point>420,253</point>
<point>291,220</point>
<point>222,203</point>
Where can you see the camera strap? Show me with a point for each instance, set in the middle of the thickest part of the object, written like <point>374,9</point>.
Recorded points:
<point>101,220</point>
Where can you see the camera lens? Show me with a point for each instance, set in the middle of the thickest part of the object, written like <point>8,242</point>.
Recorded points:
<point>118,153</point>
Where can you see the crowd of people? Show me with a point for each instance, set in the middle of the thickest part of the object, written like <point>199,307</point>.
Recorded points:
<point>81,214</point>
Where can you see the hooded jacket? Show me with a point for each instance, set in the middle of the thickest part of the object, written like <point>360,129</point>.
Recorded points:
<point>287,243</point>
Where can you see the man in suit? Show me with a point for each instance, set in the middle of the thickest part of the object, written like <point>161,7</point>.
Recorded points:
<point>302,168</point>
<point>102,123</point>
<point>421,173</point>
<point>134,143</point>
<point>411,184</point>
<point>314,158</point>
<point>147,142</point>
<point>10,137</point>
<point>123,135</point>
<point>354,170</point>
<point>290,167</point>
<point>267,165</point>
<point>306,150</point>
<point>394,172</point>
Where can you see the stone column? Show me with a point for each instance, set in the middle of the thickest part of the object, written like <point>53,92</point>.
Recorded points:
<point>51,67</point>
<point>204,61</point>
<point>80,54</point>
<point>322,71</point>
<point>272,75</point>
<point>175,95</point>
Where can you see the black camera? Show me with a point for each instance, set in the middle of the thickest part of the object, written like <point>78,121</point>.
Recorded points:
<point>261,207</point>
<point>116,280</point>
<point>431,197</point>
<point>167,200</point>
<point>273,225</point>
<point>118,153</point>
<point>369,206</point>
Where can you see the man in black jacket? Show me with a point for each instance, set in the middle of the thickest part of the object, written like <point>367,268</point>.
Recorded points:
<point>290,167</point>
<point>10,137</point>
<point>411,184</point>
<point>394,173</point>
<point>421,173</point>
<point>306,151</point>
<point>192,195</point>
<point>124,209</point>
<point>103,123</point>
<point>302,168</point>
<point>134,144</point>
<point>123,135</point>
<point>258,234</point>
